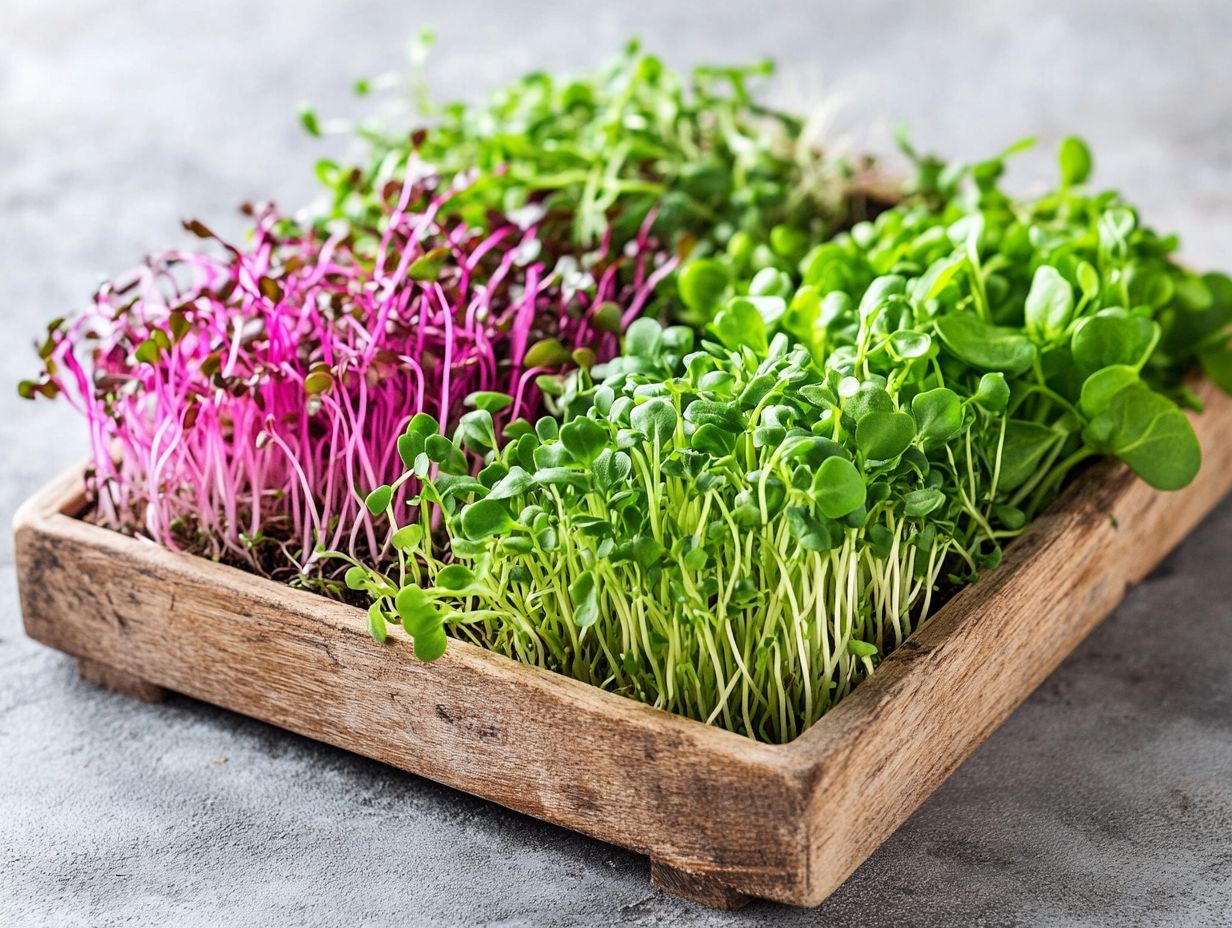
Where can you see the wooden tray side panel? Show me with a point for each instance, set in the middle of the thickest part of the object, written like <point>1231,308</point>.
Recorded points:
<point>886,748</point>
<point>721,807</point>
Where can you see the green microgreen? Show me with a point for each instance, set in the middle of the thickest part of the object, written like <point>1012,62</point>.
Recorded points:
<point>739,527</point>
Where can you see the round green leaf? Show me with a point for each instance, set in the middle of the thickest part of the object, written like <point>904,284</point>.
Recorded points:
<point>490,400</point>
<point>585,599</point>
<point>1112,337</point>
<point>407,537</point>
<point>1050,304</point>
<point>703,285</point>
<point>741,325</point>
<point>1099,389</point>
<point>378,500</point>
<point>907,345</point>
<point>431,645</point>
<point>583,438</point>
<point>643,338</point>
<point>514,483</point>
<point>456,578</point>
<point>712,440</point>
<point>376,623</point>
<point>1075,159</point>
<point>1024,447</point>
<point>986,347</point>
<point>1149,433</point>
<point>357,578</point>
<point>838,489</point>
<point>920,503</point>
<point>416,609</point>
<point>938,414</point>
<point>484,518</point>
<point>881,436</point>
<point>611,468</point>
<point>655,419</point>
<point>547,352</point>
<point>993,393</point>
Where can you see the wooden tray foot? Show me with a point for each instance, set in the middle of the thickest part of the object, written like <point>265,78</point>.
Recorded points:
<point>119,680</point>
<point>697,887</point>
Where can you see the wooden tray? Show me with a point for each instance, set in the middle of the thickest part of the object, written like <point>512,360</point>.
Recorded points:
<point>721,817</point>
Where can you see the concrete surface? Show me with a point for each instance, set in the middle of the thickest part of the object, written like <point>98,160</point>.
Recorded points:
<point>1105,800</point>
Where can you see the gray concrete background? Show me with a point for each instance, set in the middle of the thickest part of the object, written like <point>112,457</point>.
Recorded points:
<point>1105,800</point>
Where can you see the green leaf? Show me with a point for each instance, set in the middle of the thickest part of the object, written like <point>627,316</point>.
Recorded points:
<point>1217,363</point>
<point>417,610</point>
<point>611,469</point>
<point>919,503</point>
<point>584,439</point>
<point>431,645</point>
<point>376,623</point>
<point>647,551</point>
<point>1149,433</point>
<point>147,351</point>
<point>428,266</point>
<point>1075,159</point>
<point>514,483</point>
<point>357,578</point>
<point>861,649</point>
<point>644,338</point>
<point>870,397</point>
<point>308,120</point>
<point>1099,389</point>
<point>318,382</point>
<point>476,431</point>
<point>423,425</point>
<point>484,518</point>
<point>655,420</point>
<point>585,599</point>
<point>490,400</point>
<point>741,325</point>
<point>881,436</point>
<point>812,534</point>
<point>712,440</point>
<point>1050,304</point>
<point>838,489</point>
<point>607,317</point>
<point>1113,337</point>
<point>938,414</point>
<point>993,393</point>
<point>457,578</point>
<point>409,448</point>
<point>560,477</point>
<point>703,285</point>
<point>938,276</point>
<point>547,352</point>
<point>907,345</point>
<point>379,499</point>
<point>407,537</point>
<point>986,347</point>
<point>1025,445</point>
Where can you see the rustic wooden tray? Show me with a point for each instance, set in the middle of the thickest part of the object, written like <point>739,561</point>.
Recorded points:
<point>722,818</point>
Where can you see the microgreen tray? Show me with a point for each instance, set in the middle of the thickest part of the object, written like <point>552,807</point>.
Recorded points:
<point>722,817</point>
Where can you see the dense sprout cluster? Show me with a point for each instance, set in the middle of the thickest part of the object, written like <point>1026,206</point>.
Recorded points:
<point>597,156</point>
<point>738,528</point>
<point>237,397</point>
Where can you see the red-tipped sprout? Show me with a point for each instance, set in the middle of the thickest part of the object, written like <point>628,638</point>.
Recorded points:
<point>241,402</point>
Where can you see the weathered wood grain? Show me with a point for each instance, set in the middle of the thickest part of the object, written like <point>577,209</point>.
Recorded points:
<point>721,816</point>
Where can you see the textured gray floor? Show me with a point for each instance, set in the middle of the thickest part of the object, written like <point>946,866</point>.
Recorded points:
<point>1105,800</point>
